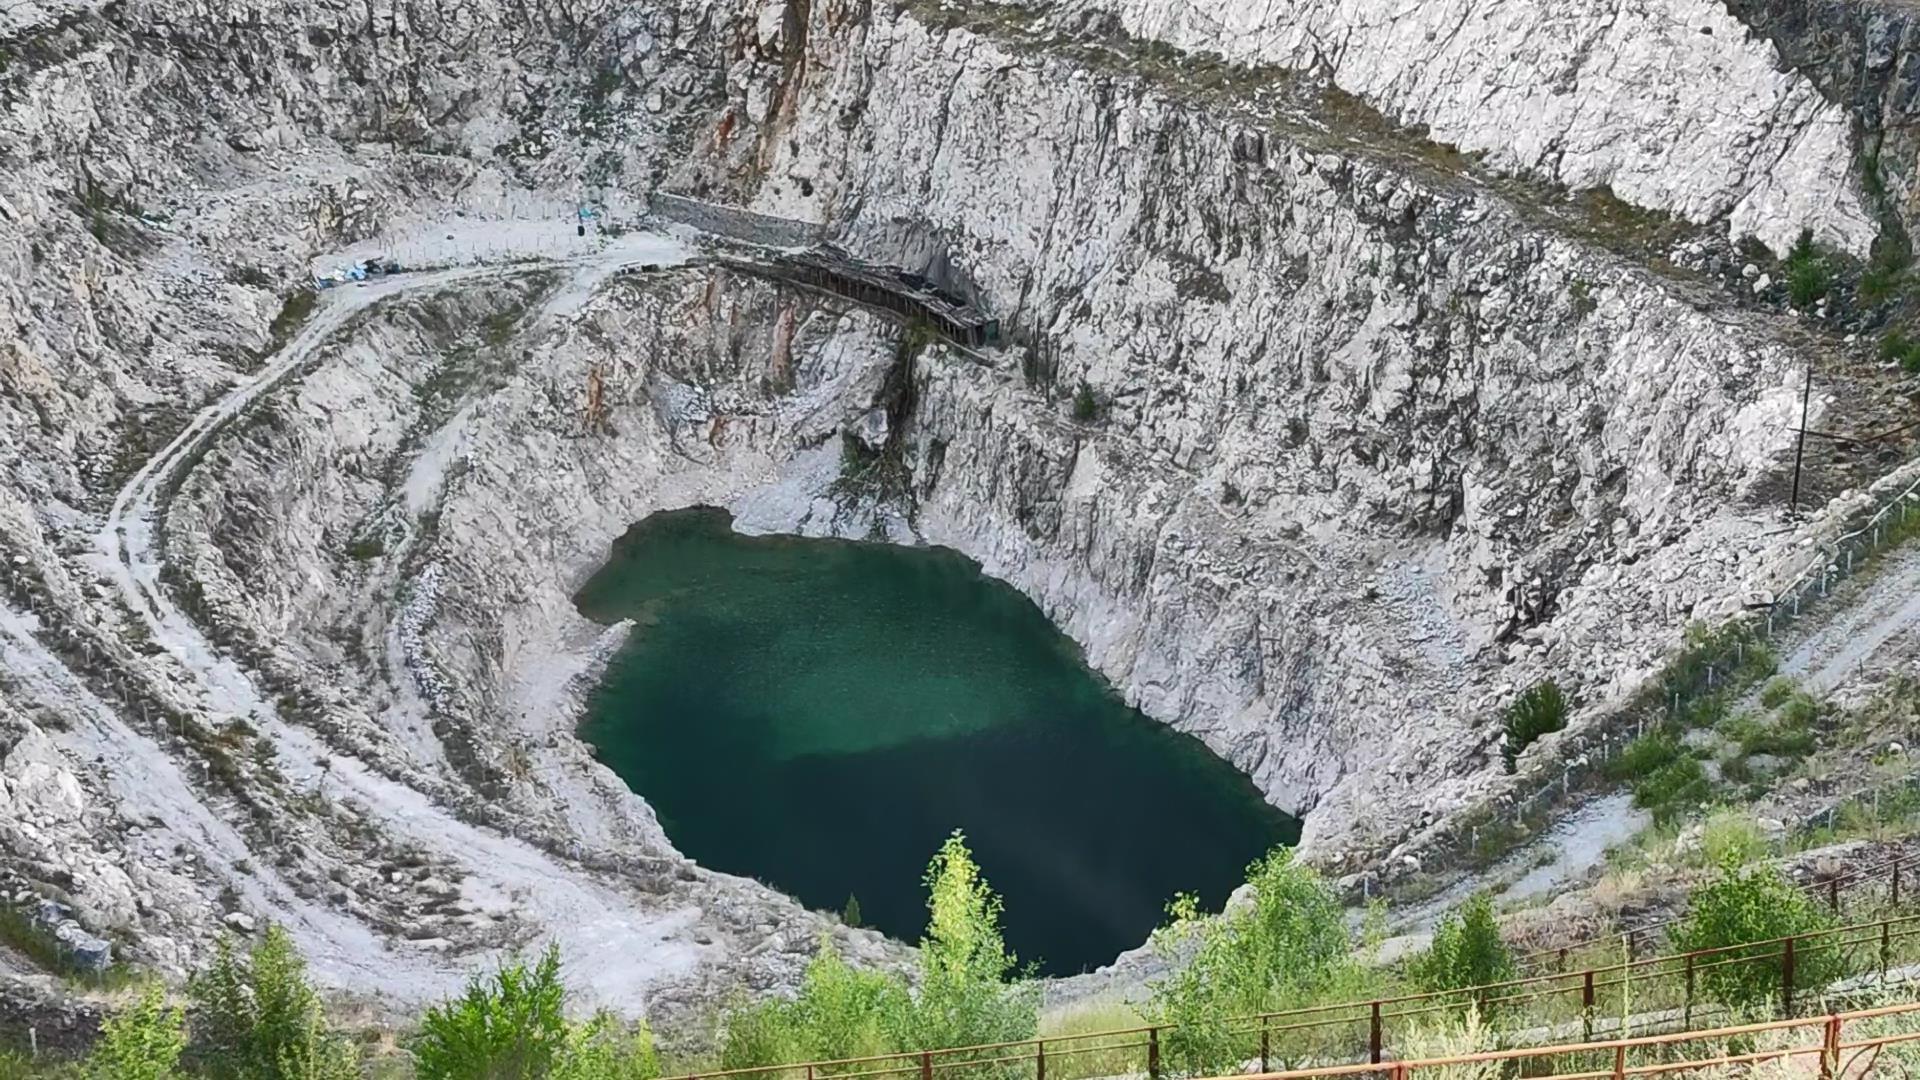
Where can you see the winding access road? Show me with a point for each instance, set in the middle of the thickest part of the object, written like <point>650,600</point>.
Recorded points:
<point>611,946</point>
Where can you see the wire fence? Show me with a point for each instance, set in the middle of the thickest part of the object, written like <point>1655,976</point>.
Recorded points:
<point>1879,886</point>
<point>1708,666</point>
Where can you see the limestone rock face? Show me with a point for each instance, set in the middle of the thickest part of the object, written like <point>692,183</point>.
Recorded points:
<point>1377,438</point>
<point>43,789</point>
<point>1674,105</point>
<point>1375,449</point>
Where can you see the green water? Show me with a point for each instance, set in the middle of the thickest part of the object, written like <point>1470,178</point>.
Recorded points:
<point>819,714</point>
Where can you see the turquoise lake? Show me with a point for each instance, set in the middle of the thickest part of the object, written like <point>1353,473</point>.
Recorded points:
<point>820,714</point>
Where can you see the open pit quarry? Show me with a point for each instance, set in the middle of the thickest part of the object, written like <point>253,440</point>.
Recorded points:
<point>1358,366</point>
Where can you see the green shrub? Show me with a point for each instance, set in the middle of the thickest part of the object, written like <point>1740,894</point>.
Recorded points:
<point>1540,711</point>
<point>1777,691</point>
<point>513,1027</point>
<point>1744,907</point>
<point>294,314</point>
<point>140,1042</point>
<point>1288,948</point>
<point>367,548</point>
<point>839,1013</point>
<point>1672,789</point>
<point>1085,408</point>
<point>258,1018</point>
<point>1881,282</point>
<point>1787,736</point>
<point>1780,740</point>
<point>605,1049</point>
<point>509,1027</point>
<point>1467,951</point>
<point>1807,274</point>
<point>319,1054</point>
<point>1799,710</point>
<point>759,1035</point>
<point>1645,755</point>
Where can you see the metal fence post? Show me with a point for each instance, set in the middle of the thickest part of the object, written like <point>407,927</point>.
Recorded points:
<point>1689,1006</point>
<point>1373,1036</point>
<point>1833,894</point>
<point>1895,902</point>
<point>1153,1053</point>
<point>1586,1004</point>
<point>1266,1047</point>
<point>1830,1052</point>
<point>1040,1060</point>
<point>1786,981</point>
<point>1620,1062</point>
<point>926,1065</point>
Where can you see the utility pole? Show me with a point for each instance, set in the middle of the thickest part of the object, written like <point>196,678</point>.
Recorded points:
<point>1800,447</point>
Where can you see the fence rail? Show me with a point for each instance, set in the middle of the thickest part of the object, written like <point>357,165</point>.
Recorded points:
<point>1666,993</point>
<point>1861,885</point>
<point>1837,1054</point>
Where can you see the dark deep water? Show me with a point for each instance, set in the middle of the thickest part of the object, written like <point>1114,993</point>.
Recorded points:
<point>820,714</point>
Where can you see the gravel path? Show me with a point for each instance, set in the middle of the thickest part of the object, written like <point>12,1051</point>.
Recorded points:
<point>1885,613</point>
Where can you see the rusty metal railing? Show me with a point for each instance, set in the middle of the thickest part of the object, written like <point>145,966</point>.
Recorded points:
<point>1899,873</point>
<point>1837,1055</point>
<point>1666,992</point>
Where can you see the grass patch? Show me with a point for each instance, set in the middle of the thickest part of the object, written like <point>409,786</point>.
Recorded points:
<point>1781,737</point>
<point>1881,815</point>
<point>1081,1043</point>
<point>498,328</point>
<point>1777,691</point>
<point>367,548</point>
<point>1896,347</point>
<point>15,1065</point>
<point>1674,789</point>
<point>1730,837</point>
<point>1646,755</point>
<point>294,313</point>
